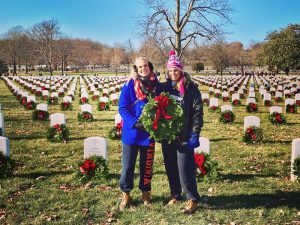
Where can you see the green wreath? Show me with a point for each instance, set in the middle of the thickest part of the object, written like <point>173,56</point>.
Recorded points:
<point>58,133</point>
<point>6,166</point>
<point>227,116</point>
<point>85,116</point>
<point>252,135</point>
<point>40,115</point>
<point>92,169</point>
<point>296,168</point>
<point>162,117</point>
<point>277,118</point>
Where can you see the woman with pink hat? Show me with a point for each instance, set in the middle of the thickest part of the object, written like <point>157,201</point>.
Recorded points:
<point>179,155</point>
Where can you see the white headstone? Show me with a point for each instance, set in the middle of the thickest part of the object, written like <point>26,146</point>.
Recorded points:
<point>251,94</point>
<point>205,96</point>
<point>204,146</point>
<point>84,95</point>
<point>42,106</point>
<point>213,102</point>
<point>226,107</point>
<point>57,118</point>
<point>31,98</point>
<point>86,108</point>
<point>45,93</point>
<point>113,96</point>
<point>235,97</point>
<point>251,121</point>
<point>67,99</point>
<point>251,100</point>
<point>103,99</point>
<point>4,146</point>
<point>267,96</point>
<point>297,97</point>
<point>289,101</point>
<point>2,123</point>
<point>275,109</point>
<point>118,118</point>
<point>295,154</point>
<point>95,146</point>
<point>278,94</point>
<point>54,94</point>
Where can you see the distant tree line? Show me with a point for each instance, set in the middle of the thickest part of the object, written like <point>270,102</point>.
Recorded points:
<point>45,44</point>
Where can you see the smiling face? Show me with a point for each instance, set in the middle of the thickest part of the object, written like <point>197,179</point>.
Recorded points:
<point>174,74</point>
<point>142,66</point>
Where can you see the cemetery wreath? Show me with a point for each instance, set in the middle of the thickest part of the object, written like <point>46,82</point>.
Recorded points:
<point>277,118</point>
<point>85,116</point>
<point>296,168</point>
<point>206,168</point>
<point>30,105</point>
<point>92,169</point>
<point>162,117</point>
<point>6,165</point>
<point>291,108</point>
<point>66,106</point>
<point>252,107</point>
<point>116,132</point>
<point>252,135</point>
<point>227,116</point>
<point>40,115</point>
<point>58,133</point>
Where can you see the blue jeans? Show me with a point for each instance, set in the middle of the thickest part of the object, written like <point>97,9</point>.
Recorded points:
<point>129,156</point>
<point>181,170</point>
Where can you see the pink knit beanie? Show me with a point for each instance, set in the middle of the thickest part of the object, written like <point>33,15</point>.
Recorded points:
<point>174,61</point>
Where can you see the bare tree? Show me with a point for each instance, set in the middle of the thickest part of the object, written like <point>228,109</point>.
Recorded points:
<point>44,34</point>
<point>180,22</point>
<point>64,49</point>
<point>12,43</point>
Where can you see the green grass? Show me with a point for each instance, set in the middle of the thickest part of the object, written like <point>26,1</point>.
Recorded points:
<point>254,187</point>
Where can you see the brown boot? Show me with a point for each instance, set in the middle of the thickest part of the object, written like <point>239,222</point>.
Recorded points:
<point>146,197</point>
<point>172,201</point>
<point>125,201</point>
<point>190,207</point>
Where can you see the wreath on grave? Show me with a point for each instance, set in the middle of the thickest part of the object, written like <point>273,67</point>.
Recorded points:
<point>236,102</point>
<point>162,117</point>
<point>58,133</point>
<point>38,93</point>
<point>83,101</point>
<point>214,108</point>
<point>103,106</point>
<point>92,169</point>
<point>52,101</point>
<point>116,132</point>
<point>297,102</point>
<point>30,105</point>
<point>296,168</point>
<point>40,115</point>
<point>277,118</point>
<point>6,166</point>
<point>95,97</point>
<point>278,99</point>
<point>205,101</point>
<point>291,108</point>
<point>115,102</point>
<point>66,106</point>
<point>85,116</point>
<point>23,100</point>
<point>225,99</point>
<point>252,107</point>
<point>45,97</point>
<point>252,135</point>
<point>227,116</point>
<point>61,94</point>
<point>268,103</point>
<point>217,95</point>
<point>207,170</point>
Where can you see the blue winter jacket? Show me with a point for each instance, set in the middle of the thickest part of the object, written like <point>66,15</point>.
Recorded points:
<point>130,110</point>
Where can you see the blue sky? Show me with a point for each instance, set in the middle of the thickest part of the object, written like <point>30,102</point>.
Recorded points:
<point>110,21</point>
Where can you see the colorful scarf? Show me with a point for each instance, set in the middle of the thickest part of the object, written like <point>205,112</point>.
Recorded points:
<point>145,87</point>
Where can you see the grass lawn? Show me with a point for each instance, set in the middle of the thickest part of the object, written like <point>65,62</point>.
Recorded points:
<point>254,186</point>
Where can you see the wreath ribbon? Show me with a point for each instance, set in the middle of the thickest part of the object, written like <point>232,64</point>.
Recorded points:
<point>200,160</point>
<point>162,104</point>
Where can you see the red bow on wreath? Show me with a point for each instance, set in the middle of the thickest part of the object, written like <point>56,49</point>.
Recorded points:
<point>200,160</point>
<point>163,102</point>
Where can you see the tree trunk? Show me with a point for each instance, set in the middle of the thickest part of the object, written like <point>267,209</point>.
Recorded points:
<point>62,66</point>
<point>177,26</point>
<point>14,65</point>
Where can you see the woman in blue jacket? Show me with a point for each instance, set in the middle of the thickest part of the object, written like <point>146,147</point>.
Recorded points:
<point>134,137</point>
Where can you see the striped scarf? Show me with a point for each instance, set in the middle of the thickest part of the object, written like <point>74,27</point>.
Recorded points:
<point>144,88</point>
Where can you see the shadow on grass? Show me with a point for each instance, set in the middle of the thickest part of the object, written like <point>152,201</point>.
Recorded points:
<point>241,177</point>
<point>251,201</point>
<point>278,141</point>
<point>28,137</point>
<point>292,124</point>
<point>221,139</point>
<point>35,175</point>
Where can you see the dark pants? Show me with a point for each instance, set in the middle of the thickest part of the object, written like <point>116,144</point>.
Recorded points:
<point>181,170</point>
<point>129,155</point>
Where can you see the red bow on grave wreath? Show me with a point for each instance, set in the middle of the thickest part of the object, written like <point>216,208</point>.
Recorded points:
<point>163,102</point>
<point>199,160</point>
